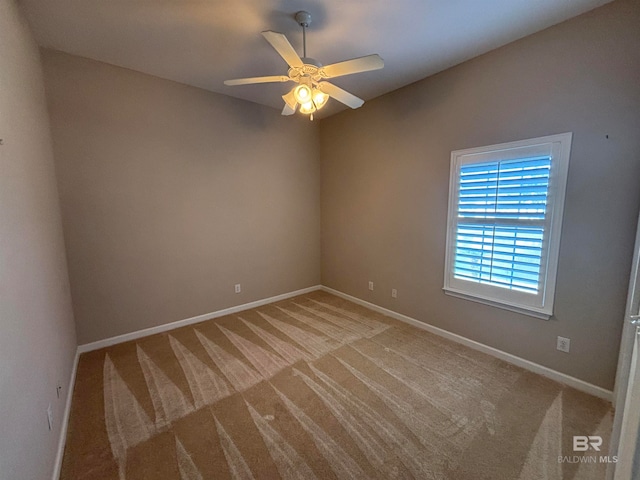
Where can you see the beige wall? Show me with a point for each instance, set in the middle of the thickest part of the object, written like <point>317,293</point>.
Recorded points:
<point>385,171</point>
<point>171,195</point>
<point>37,336</point>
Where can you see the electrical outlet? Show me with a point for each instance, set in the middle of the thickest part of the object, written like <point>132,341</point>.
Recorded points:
<point>564,344</point>
<point>238,288</point>
<point>50,417</point>
<point>370,285</point>
<point>394,293</point>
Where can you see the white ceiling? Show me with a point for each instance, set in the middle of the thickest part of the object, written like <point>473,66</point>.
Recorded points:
<point>204,42</point>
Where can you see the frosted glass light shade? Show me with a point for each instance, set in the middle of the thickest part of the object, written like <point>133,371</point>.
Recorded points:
<point>319,98</point>
<point>307,107</point>
<point>302,94</point>
<point>290,100</point>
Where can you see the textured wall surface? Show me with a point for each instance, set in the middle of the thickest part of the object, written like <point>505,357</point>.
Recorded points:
<point>385,173</point>
<point>37,335</point>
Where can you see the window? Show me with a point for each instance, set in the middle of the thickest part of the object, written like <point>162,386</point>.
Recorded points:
<point>505,214</point>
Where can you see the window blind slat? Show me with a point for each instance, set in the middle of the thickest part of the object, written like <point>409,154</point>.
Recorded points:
<point>492,190</point>
<point>494,215</point>
<point>473,264</point>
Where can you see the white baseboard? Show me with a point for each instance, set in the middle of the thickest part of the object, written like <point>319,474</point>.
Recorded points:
<point>507,357</point>
<point>62,440</point>
<point>107,342</point>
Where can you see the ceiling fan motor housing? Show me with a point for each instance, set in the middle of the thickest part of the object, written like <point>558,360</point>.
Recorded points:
<point>305,74</point>
<point>311,61</point>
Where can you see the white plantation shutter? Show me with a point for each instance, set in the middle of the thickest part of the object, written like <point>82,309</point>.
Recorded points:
<point>501,212</point>
<point>504,211</point>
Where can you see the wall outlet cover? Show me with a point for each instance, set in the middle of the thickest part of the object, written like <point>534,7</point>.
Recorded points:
<point>564,344</point>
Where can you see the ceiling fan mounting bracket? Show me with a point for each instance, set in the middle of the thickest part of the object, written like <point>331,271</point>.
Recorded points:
<point>303,18</point>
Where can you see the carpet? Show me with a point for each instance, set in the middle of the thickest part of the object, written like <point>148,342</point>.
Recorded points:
<point>317,387</point>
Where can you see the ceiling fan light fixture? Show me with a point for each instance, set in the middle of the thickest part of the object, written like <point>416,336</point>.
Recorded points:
<point>307,108</point>
<point>290,100</point>
<point>319,98</point>
<point>313,91</point>
<point>302,94</point>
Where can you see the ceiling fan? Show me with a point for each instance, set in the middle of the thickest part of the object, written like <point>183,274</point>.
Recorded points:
<point>312,91</point>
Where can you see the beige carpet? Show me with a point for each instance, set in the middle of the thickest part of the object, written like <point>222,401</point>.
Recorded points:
<point>318,387</point>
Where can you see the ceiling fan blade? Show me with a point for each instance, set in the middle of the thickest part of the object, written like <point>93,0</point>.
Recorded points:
<point>355,65</point>
<point>247,81</point>
<point>287,110</point>
<point>284,48</point>
<point>341,95</point>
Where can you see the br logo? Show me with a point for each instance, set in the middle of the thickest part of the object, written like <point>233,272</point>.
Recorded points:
<point>582,443</point>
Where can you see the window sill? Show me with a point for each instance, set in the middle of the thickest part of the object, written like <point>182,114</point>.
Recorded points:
<point>497,304</point>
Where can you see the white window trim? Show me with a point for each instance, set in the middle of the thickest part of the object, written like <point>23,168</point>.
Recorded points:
<point>559,147</point>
